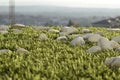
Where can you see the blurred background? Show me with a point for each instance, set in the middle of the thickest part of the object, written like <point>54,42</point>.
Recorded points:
<point>62,12</point>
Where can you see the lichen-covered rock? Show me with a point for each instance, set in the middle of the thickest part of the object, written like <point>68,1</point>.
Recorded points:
<point>69,30</point>
<point>100,33</point>
<point>22,50</point>
<point>117,49</point>
<point>85,31</point>
<point>117,39</point>
<point>43,36</point>
<point>114,45</point>
<point>79,41</point>
<point>94,49</point>
<point>62,38</point>
<point>113,61</point>
<point>116,62</point>
<point>109,61</point>
<point>94,38</point>
<point>87,35</point>
<point>104,43</point>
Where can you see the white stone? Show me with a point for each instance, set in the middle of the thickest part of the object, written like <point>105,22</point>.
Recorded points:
<point>94,49</point>
<point>94,38</point>
<point>22,50</point>
<point>43,36</point>
<point>53,30</point>
<point>117,39</point>
<point>79,41</point>
<point>17,26</point>
<point>62,38</point>
<point>85,31</point>
<point>104,43</point>
<point>69,30</point>
<point>113,61</point>
<point>3,51</point>
<point>113,29</point>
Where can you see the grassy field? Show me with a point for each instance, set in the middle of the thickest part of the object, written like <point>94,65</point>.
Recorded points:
<point>53,60</point>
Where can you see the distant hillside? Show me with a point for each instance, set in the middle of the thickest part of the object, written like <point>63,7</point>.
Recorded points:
<point>111,22</point>
<point>36,15</point>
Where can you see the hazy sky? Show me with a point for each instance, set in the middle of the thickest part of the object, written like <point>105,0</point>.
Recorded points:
<point>69,3</point>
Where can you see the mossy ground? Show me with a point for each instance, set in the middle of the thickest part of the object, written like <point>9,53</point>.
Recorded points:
<point>53,60</point>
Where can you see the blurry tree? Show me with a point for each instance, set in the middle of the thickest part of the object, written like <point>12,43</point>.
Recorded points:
<point>72,23</point>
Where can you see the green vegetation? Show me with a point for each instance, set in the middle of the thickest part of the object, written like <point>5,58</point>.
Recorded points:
<point>53,60</point>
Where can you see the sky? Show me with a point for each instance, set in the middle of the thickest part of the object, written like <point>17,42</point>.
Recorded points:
<point>69,3</point>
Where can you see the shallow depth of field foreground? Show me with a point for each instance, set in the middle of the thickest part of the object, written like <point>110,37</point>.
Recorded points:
<point>53,54</point>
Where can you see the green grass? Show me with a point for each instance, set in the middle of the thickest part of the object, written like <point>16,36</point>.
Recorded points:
<point>53,60</point>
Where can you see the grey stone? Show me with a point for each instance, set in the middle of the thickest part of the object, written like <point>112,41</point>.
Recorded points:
<point>53,30</point>
<point>43,36</point>
<point>94,38</point>
<point>79,41</point>
<point>94,49</point>
<point>62,38</point>
<point>69,30</point>
<point>104,43</point>
<point>85,31</point>
<point>18,26</point>
<point>113,61</point>
<point>3,51</point>
<point>22,50</point>
<point>117,39</point>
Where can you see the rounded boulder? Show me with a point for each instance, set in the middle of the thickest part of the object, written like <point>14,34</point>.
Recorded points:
<point>79,41</point>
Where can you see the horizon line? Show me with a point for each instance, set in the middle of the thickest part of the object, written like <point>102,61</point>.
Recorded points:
<point>64,6</point>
